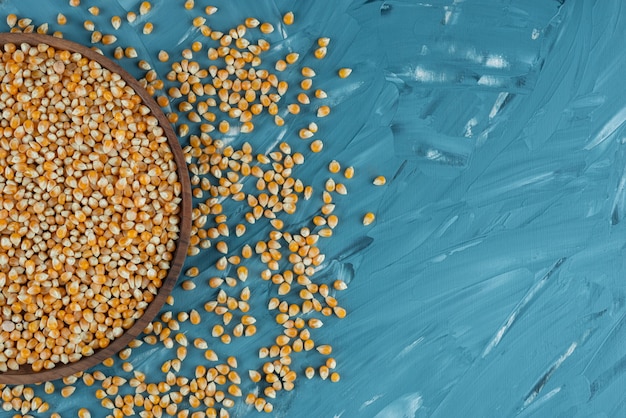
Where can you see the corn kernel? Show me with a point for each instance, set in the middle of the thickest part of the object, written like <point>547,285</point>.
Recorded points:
<point>288,18</point>
<point>344,72</point>
<point>368,218</point>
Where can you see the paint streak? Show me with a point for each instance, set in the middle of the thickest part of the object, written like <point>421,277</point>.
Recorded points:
<point>528,298</point>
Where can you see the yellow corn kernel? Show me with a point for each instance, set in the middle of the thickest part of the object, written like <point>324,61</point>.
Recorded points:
<point>379,181</point>
<point>200,343</point>
<point>317,145</point>
<point>320,94</point>
<point>163,56</point>
<point>251,22</point>
<point>109,39</point>
<point>42,29</point>
<point>323,111</point>
<point>192,272</point>
<point>48,388</point>
<point>144,7</point>
<point>324,349</point>
<point>288,18</point>
<point>293,108</point>
<point>188,285</point>
<point>11,20</point>
<point>198,21</point>
<point>339,311</point>
<point>148,27</point>
<point>250,331</point>
<point>292,57</point>
<point>116,22</point>
<point>320,53</point>
<point>67,391</point>
<point>194,317</point>
<point>341,189</point>
<point>344,72</point>
<point>84,413</point>
<point>210,355</point>
<point>217,330</point>
<point>368,218</point>
<point>267,28</point>
<point>303,98</point>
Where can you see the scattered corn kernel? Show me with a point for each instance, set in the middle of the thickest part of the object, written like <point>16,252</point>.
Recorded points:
<point>368,218</point>
<point>317,145</point>
<point>163,56</point>
<point>116,22</point>
<point>323,111</point>
<point>110,39</point>
<point>344,72</point>
<point>144,7</point>
<point>267,28</point>
<point>379,181</point>
<point>148,27</point>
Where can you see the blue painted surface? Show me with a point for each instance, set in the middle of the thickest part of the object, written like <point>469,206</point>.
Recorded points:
<point>492,283</point>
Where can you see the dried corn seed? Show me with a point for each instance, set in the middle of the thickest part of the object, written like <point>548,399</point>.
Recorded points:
<point>320,94</point>
<point>379,181</point>
<point>288,18</point>
<point>210,355</point>
<point>341,189</point>
<point>110,39</point>
<point>368,218</point>
<point>188,285</point>
<point>54,327</point>
<point>11,20</point>
<point>317,145</point>
<point>144,7</point>
<point>192,272</point>
<point>323,111</point>
<point>194,317</point>
<point>344,72</point>
<point>292,57</point>
<point>96,36</point>
<point>148,27</point>
<point>89,25</point>
<point>320,53</point>
<point>129,52</point>
<point>267,28</point>
<point>116,22</point>
<point>67,391</point>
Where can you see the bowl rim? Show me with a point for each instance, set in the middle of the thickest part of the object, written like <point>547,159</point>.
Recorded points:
<point>25,374</point>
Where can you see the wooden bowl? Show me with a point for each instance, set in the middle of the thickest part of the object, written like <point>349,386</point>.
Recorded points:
<point>25,375</point>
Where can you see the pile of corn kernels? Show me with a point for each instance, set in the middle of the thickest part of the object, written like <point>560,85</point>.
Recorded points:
<point>89,200</point>
<point>214,94</point>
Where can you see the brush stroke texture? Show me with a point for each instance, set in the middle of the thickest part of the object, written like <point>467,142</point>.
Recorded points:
<point>492,283</point>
